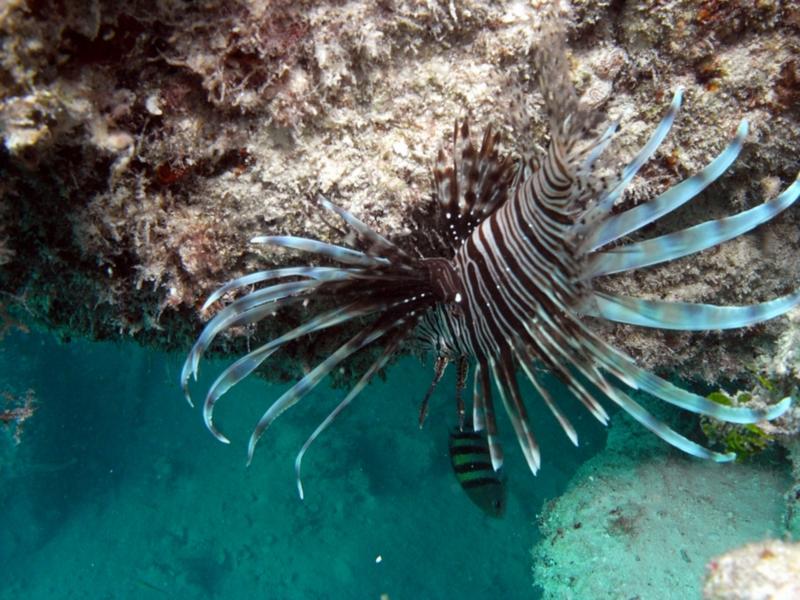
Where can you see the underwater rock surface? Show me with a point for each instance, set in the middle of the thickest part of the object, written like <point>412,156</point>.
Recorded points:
<point>643,520</point>
<point>145,143</point>
<point>769,569</point>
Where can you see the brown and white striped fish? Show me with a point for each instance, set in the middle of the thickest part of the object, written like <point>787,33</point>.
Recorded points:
<point>509,290</point>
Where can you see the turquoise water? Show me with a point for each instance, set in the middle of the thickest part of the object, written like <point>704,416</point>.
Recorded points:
<point>118,491</point>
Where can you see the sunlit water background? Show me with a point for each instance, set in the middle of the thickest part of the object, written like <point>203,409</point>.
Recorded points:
<point>118,491</point>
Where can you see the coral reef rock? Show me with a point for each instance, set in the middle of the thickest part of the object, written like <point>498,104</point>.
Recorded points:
<point>144,143</point>
<point>643,520</point>
<point>768,570</point>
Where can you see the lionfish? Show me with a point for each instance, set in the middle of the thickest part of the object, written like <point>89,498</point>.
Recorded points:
<point>523,243</point>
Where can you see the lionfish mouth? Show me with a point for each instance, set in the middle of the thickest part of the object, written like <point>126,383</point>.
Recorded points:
<point>523,243</point>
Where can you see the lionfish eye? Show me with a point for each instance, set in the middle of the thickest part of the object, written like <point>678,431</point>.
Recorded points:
<point>444,280</point>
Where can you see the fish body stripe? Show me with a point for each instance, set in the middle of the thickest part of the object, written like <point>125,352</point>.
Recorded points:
<point>470,456</point>
<point>482,482</point>
<point>513,268</point>
<point>466,470</point>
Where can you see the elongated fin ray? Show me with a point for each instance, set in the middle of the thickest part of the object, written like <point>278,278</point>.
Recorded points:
<point>557,348</point>
<point>506,383</point>
<point>312,379</point>
<point>245,310</point>
<point>688,241</point>
<point>438,371</point>
<point>606,202</point>
<point>495,175</point>
<point>602,143</point>
<point>251,315</point>
<point>687,316</point>
<point>628,372</point>
<point>464,166</point>
<point>676,196</point>
<point>495,448</point>
<point>317,273</point>
<point>525,361</point>
<point>376,366</point>
<point>252,360</point>
<point>649,421</point>
<point>667,434</point>
<point>646,381</point>
<point>379,245</point>
<point>472,186</point>
<point>338,253</point>
<point>478,411</point>
<point>230,377</point>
